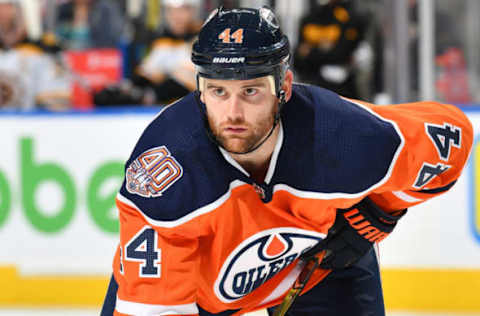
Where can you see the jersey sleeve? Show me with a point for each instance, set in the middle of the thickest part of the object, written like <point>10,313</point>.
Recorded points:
<point>154,268</point>
<point>436,140</point>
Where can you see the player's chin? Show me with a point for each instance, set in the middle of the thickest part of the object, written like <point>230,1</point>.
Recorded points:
<point>236,148</point>
<point>238,145</point>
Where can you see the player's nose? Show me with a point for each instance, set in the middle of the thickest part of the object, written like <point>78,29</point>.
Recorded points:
<point>235,109</point>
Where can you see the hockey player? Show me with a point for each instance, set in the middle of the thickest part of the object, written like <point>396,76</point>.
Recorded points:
<point>229,188</point>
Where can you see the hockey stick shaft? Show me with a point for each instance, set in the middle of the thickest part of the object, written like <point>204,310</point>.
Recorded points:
<point>298,286</point>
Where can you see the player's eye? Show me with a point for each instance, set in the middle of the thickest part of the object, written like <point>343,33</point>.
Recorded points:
<point>219,92</point>
<point>250,91</point>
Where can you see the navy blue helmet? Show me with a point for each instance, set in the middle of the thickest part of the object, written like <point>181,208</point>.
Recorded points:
<point>242,44</point>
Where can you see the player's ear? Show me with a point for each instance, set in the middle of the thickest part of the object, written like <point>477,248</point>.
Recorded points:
<point>287,84</point>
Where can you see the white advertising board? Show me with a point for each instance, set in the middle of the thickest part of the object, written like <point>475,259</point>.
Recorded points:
<point>58,176</point>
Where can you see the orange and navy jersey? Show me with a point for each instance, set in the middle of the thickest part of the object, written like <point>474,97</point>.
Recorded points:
<point>197,230</point>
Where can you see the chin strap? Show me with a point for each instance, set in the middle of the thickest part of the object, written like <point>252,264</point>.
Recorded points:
<point>276,119</point>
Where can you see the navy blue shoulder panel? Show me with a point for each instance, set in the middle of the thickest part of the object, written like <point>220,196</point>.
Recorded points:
<point>332,145</point>
<point>185,169</point>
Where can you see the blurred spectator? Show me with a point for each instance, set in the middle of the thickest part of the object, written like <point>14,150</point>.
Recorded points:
<point>332,48</point>
<point>451,73</point>
<point>166,73</point>
<point>82,24</point>
<point>168,64</point>
<point>452,78</point>
<point>30,74</point>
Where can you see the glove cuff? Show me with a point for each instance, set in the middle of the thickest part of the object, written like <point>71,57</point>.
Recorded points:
<point>369,220</point>
<point>367,206</point>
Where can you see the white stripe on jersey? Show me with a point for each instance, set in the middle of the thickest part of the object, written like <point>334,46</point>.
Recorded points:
<point>406,197</point>
<point>203,210</point>
<point>140,309</point>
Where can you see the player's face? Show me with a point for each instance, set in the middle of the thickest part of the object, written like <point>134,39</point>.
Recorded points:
<point>240,112</point>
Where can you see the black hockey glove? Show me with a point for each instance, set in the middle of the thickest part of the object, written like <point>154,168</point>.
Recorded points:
<point>354,232</point>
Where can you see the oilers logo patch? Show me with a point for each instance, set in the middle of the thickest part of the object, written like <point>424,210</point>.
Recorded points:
<point>259,258</point>
<point>154,171</point>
